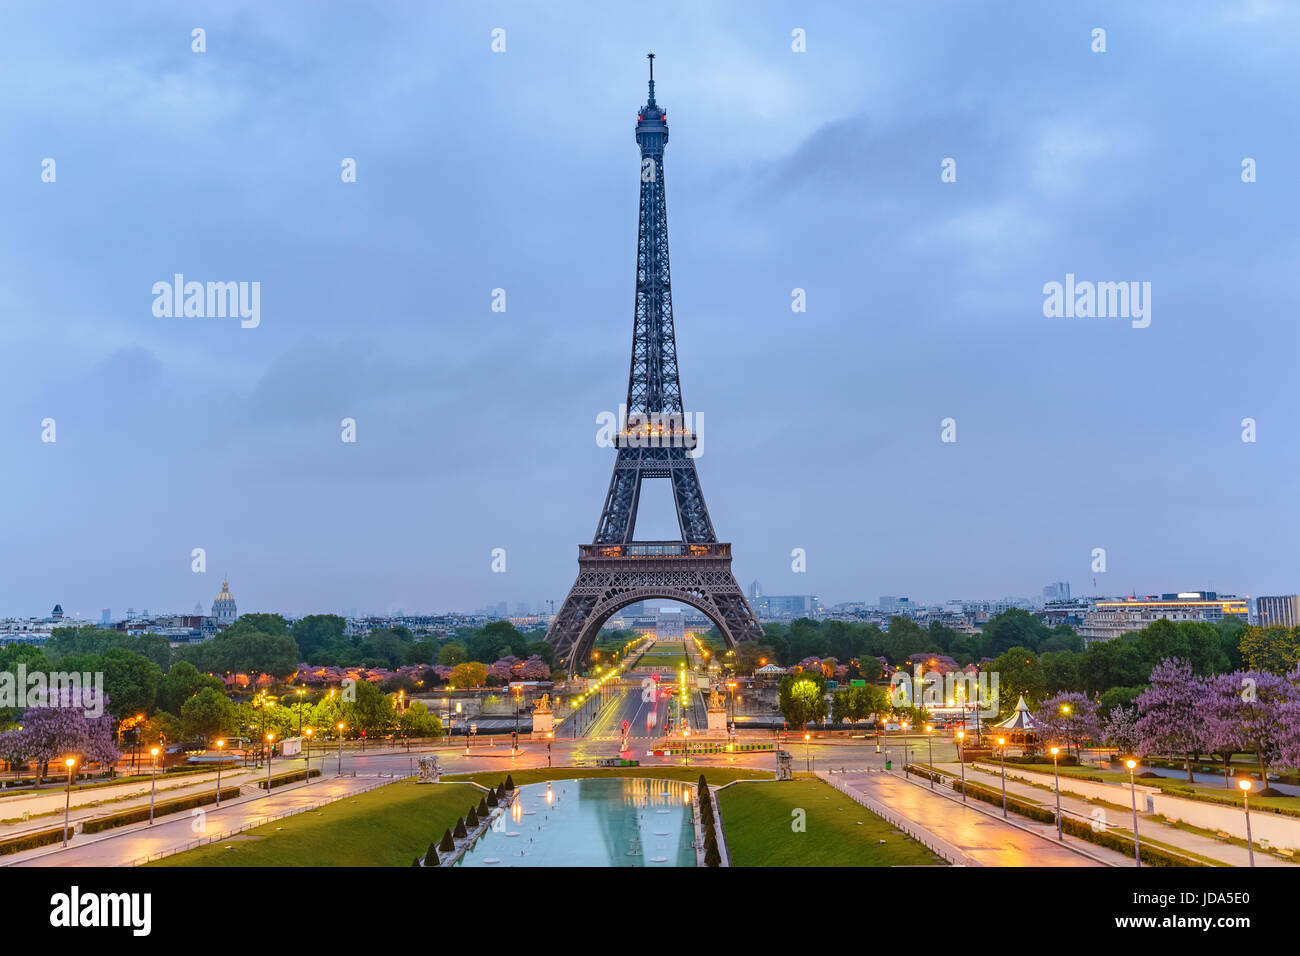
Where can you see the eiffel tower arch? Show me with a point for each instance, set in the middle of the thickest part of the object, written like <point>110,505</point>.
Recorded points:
<point>655,441</point>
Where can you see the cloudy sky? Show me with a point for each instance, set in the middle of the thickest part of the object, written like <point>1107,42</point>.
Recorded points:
<point>477,170</point>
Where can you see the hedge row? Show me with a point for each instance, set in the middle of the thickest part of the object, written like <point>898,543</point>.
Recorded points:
<point>280,779</point>
<point>1152,856</point>
<point>137,814</point>
<point>29,841</point>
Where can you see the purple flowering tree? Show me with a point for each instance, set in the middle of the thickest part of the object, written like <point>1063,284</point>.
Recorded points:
<point>56,733</point>
<point>1070,718</point>
<point>534,669</point>
<point>1172,713</point>
<point>503,669</point>
<point>1254,711</point>
<point>1120,729</point>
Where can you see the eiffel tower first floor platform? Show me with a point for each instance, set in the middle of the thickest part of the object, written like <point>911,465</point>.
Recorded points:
<point>612,576</point>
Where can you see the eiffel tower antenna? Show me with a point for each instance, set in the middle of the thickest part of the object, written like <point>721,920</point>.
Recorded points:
<point>655,442</point>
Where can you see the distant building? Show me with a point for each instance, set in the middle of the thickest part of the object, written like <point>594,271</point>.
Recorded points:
<point>57,614</point>
<point>755,590</point>
<point>223,608</point>
<point>1279,611</point>
<point>670,622</point>
<point>1060,591</point>
<point>105,616</point>
<point>786,607</point>
<point>1110,619</point>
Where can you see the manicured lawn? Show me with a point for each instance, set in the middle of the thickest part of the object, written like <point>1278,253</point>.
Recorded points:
<point>758,819</point>
<point>384,827</point>
<point>716,776</point>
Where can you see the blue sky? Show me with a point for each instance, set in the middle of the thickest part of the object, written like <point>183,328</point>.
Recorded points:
<point>518,170</point>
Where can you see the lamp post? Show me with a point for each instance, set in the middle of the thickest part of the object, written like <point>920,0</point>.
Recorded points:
<point>961,759</point>
<point>807,751</point>
<point>340,729</point>
<point>929,729</point>
<point>221,744</point>
<point>1132,786</point>
<point>68,801</point>
<point>1244,783</point>
<point>1002,755</point>
<point>270,752</point>
<point>907,750</point>
<point>309,755</point>
<point>153,782</point>
<point>300,691</point>
<point>1057,778</point>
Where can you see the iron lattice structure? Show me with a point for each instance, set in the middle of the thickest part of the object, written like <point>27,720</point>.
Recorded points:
<point>654,441</point>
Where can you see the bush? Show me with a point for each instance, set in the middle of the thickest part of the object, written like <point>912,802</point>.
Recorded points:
<point>415,862</point>
<point>137,814</point>
<point>461,832</point>
<point>482,808</point>
<point>471,818</point>
<point>1152,856</point>
<point>711,856</point>
<point>431,856</point>
<point>280,779</point>
<point>448,844</point>
<point>492,799</point>
<point>29,841</point>
<point>510,782</point>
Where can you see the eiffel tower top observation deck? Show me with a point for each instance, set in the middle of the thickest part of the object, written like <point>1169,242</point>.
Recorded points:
<point>655,442</point>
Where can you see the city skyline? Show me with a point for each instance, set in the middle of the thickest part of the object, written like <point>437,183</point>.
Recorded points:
<point>818,171</point>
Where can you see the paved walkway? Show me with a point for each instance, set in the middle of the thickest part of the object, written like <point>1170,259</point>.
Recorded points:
<point>124,846</point>
<point>1122,821</point>
<point>989,841</point>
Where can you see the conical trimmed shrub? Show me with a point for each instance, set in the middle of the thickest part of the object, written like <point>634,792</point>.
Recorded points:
<point>482,807</point>
<point>703,783</point>
<point>711,855</point>
<point>431,856</point>
<point>510,782</point>
<point>415,862</point>
<point>460,830</point>
<point>492,799</point>
<point>447,845</point>
<point>471,818</point>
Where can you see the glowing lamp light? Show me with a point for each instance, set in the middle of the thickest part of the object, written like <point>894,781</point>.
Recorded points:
<point>1130,763</point>
<point>1243,783</point>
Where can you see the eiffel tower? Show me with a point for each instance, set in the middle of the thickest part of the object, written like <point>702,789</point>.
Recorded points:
<point>654,440</point>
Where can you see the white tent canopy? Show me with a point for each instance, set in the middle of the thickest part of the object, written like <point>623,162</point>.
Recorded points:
<point>1020,720</point>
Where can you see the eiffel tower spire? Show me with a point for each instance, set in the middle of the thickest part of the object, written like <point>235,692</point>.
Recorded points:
<point>655,441</point>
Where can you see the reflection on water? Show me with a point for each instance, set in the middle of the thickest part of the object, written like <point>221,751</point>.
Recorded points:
<point>596,822</point>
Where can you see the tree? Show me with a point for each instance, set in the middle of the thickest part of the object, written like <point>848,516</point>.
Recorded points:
<point>57,732</point>
<point>416,721</point>
<point>1253,711</point>
<point>208,713</point>
<point>1060,670</point>
<point>1120,729</point>
<point>451,654</point>
<point>318,633</point>
<point>801,697</point>
<point>1171,713</point>
<point>468,674</point>
<point>1014,627</point>
<point>1019,674</point>
<point>371,712</point>
<point>1273,649</point>
<point>1070,718</point>
<point>130,681</point>
<point>181,683</point>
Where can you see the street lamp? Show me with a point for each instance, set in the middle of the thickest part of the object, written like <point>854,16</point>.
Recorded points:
<point>961,759</point>
<point>308,754</point>
<point>1244,783</point>
<point>929,729</point>
<point>270,752</point>
<point>1132,785</point>
<point>340,748</point>
<point>1057,777</point>
<point>807,751</point>
<point>300,691</point>
<point>68,803</point>
<point>153,783</point>
<point>1002,754</point>
<point>220,746</point>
